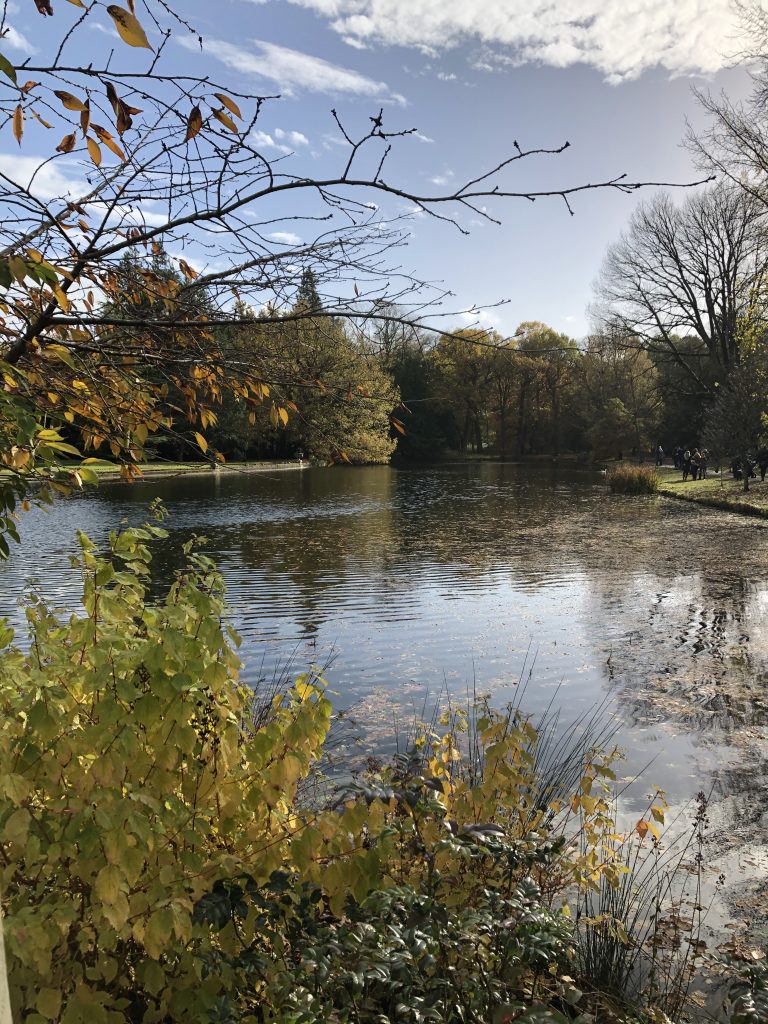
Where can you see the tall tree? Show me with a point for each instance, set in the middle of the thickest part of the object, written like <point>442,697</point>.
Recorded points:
<point>466,367</point>
<point>307,295</point>
<point>556,355</point>
<point>690,271</point>
<point>734,143</point>
<point>621,400</point>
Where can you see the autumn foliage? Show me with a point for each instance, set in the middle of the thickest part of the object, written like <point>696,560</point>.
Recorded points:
<point>136,785</point>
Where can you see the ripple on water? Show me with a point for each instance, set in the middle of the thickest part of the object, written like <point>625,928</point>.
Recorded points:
<point>457,577</point>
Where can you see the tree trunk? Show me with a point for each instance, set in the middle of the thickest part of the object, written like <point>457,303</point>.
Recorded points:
<point>745,472</point>
<point>478,435</point>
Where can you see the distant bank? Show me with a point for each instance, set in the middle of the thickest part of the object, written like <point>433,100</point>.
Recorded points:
<point>717,492</point>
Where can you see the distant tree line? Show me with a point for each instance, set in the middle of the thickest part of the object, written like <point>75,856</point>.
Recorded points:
<point>362,393</point>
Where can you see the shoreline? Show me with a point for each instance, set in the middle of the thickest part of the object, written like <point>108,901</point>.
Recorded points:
<point>155,470</point>
<point>726,495</point>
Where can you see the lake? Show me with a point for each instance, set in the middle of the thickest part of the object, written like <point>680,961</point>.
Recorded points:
<point>416,583</point>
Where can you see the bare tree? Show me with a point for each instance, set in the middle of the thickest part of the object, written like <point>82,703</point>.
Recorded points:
<point>734,145</point>
<point>695,271</point>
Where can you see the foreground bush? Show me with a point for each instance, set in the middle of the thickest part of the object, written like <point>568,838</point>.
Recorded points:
<point>633,480</point>
<point>157,864</point>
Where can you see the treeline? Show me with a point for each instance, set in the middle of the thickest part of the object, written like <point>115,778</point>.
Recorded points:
<point>361,392</point>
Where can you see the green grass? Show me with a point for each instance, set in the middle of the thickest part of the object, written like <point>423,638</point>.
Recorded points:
<point>725,494</point>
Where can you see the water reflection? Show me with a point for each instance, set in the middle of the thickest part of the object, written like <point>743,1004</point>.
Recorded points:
<point>447,578</point>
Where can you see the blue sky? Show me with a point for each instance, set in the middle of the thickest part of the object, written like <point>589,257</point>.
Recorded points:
<point>613,78</point>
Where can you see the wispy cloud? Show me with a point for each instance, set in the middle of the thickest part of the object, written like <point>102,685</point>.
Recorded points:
<point>285,238</point>
<point>293,70</point>
<point>621,38</point>
<point>46,179</point>
<point>17,41</point>
<point>484,318</point>
<point>279,140</point>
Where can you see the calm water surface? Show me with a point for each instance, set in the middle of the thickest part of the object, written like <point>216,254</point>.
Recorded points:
<point>431,580</point>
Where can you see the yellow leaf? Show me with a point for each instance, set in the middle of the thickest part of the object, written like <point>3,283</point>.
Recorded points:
<point>194,124</point>
<point>61,298</point>
<point>94,150</point>
<point>283,414</point>
<point>128,27</point>
<point>230,104</point>
<point>42,120</point>
<point>201,441</point>
<point>18,123</point>
<point>106,137</point>
<point>18,268</point>
<point>226,120</point>
<point>70,102</point>
<point>658,814</point>
<point>642,829</point>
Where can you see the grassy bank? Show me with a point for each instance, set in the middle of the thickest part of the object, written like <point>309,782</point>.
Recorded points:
<point>719,493</point>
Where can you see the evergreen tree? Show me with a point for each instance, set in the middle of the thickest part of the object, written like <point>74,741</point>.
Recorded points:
<point>307,296</point>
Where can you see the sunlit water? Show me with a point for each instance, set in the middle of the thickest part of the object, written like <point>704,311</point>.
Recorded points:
<point>474,576</point>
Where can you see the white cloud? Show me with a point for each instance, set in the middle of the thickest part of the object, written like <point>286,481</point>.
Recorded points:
<point>484,318</point>
<point>262,140</point>
<point>294,138</point>
<point>441,179</point>
<point>285,238</point>
<point>621,38</point>
<point>17,41</point>
<point>46,179</point>
<point>356,44</point>
<point>292,69</point>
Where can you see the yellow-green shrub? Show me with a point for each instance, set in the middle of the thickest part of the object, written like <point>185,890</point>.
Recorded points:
<point>134,780</point>
<point>131,781</point>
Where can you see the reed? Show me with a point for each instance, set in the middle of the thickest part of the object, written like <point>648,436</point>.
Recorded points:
<point>633,480</point>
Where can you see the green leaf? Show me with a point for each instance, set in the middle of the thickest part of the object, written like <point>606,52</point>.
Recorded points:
<point>48,1003</point>
<point>7,68</point>
<point>17,826</point>
<point>108,883</point>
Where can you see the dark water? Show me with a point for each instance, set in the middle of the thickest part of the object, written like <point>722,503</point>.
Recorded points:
<point>440,579</point>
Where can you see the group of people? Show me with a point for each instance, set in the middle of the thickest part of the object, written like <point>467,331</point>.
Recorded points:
<point>760,461</point>
<point>693,463</point>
